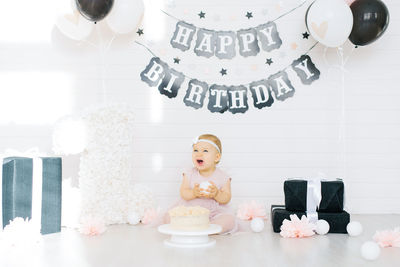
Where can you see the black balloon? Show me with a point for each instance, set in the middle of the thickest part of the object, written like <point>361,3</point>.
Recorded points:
<point>371,18</point>
<point>94,10</point>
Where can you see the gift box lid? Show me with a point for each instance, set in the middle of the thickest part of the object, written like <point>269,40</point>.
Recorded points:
<point>332,195</point>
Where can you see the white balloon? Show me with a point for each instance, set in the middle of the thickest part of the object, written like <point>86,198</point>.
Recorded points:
<point>73,25</point>
<point>329,22</point>
<point>257,225</point>
<point>370,250</point>
<point>322,227</point>
<point>125,15</point>
<point>133,218</point>
<point>354,228</point>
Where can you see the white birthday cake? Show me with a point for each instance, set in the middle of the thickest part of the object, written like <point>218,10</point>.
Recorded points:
<point>189,218</point>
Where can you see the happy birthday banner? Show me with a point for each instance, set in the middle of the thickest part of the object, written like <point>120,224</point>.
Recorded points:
<point>222,44</point>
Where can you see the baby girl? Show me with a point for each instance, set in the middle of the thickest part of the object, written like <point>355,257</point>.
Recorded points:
<point>206,154</point>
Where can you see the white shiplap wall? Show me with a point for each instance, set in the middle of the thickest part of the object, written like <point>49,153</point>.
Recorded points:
<point>346,128</point>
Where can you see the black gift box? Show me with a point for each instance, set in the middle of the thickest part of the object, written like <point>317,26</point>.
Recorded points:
<point>331,191</point>
<point>337,220</point>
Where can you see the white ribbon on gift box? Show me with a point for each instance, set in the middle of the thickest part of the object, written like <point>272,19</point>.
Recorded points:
<point>313,199</point>
<point>314,196</point>
<point>37,172</point>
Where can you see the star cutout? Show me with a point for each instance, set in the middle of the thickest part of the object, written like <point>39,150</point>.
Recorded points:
<point>223,72</point>
<point>305,35</point>
<point>202,15</point>
<point>249,15</point>
<point>177,60</point>
<point>140,32</point>
<point>269,61</point>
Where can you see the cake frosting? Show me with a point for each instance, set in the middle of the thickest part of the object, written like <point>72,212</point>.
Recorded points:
<point>189,218</point>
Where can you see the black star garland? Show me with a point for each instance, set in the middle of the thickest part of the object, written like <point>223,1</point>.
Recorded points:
<point>177,60</point>
<point>223,71</point>
<point>305,35</point>
<point>269,61</point>
<point>249,15</point>
<point>202,15</point>
<point>140,32</point>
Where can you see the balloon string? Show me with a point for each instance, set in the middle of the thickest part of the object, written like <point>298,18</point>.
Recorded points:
<point>324,56</point>
<point>110,42</point>
<point>342,134</point>
<point>90,43</point>
<point>101,51</point>
<point>103,48</point>
<point>347,58</point>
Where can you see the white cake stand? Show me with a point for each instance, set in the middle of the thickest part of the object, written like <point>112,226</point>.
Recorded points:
<point>189,239</point>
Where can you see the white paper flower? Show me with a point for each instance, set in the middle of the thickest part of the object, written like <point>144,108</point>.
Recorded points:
<point>20,233</point>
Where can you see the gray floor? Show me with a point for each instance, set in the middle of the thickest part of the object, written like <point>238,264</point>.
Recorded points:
<point>124,245</point>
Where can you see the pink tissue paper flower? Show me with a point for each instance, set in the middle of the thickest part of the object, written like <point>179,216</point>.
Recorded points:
<point>150,215</point>
<point>249,211</point>
<point>92,226</point>
<point>388,238</point>
<point>296,227</point>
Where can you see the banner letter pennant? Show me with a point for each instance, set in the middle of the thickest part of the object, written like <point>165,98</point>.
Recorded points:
<point>183,36</point>
<point>195,94</point>
<point>305,69</point>
<point>153,72</point>
<point>261,93</point>
<point>218,98</point>
<point>281,85</point>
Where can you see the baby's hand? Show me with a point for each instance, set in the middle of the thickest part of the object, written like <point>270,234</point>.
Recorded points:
<point>197,192</point>
<point>212,190</point>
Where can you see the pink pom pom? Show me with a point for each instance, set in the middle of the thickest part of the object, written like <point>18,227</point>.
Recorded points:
<point>388,238</point>
<point>249,211</point>
<point>150,215</point>
<point>297,228</point>
<point>92,226</point>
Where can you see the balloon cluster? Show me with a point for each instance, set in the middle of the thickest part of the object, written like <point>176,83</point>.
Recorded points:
<point>333,22</point>
<point>122,16</point>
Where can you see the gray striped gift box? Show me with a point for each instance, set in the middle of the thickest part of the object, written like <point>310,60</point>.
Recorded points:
<point>31,188</point>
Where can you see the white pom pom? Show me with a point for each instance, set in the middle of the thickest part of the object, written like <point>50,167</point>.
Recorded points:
<point>133,218</point>
<point>257,225</point>
<point>354,228</point>
<point>370,250</point>
<point>322,227</point>
<point>204,186</point>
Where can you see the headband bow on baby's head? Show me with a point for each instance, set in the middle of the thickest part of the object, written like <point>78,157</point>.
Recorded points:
<point>196,140</point>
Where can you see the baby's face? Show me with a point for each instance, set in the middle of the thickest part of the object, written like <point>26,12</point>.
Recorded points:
<point>205,156</point>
